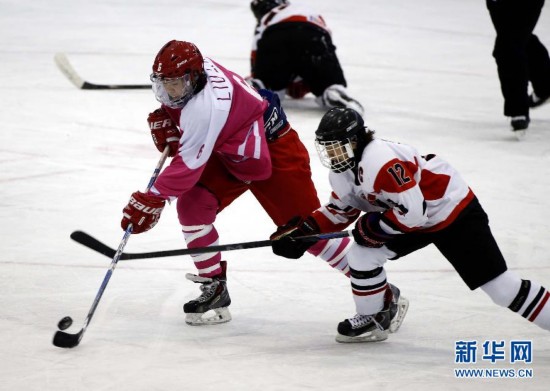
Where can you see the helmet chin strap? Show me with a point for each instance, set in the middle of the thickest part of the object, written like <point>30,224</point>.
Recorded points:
<point>358,154</point>
<point>346,160</point>
<point>349,151</point>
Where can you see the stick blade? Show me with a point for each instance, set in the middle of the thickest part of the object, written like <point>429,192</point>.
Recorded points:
<point>86,240</point>
<point>65,340</point>
<point>66,68</point>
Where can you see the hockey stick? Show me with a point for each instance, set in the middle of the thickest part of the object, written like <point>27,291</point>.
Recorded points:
<point>66,340</point>
<point>66,68</point>
<point>94,244</point>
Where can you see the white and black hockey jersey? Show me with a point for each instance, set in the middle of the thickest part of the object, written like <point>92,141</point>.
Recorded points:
<point>287,13</point>
<point>414,192</point>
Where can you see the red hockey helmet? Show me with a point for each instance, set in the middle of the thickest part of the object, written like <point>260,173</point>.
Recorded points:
<point>177,73</point>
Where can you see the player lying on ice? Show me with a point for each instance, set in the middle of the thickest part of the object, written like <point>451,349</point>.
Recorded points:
<point>293,54</point>
<point>213,123</point>
<point>410,201</point>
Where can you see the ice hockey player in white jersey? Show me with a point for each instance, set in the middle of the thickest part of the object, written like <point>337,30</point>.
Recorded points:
<point>411,201</point>
<point>293,53</point>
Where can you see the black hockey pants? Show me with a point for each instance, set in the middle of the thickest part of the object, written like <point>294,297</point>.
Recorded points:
<point>519,54</point>
<point>291,49</point>
<point>467,243</point>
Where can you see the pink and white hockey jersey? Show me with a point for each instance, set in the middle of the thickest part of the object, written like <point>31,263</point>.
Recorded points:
<point>225,118</point>
<point>414,192</point>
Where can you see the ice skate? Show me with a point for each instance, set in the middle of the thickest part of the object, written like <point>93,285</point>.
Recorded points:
<point>398,309</point>
<point>519,126</point>
<point>214,298</point>
<point>536,101</point>
<point>373,328</point>
<point>337,96</point>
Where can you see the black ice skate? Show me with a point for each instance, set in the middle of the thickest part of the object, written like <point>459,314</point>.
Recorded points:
<point>536,101</point>
<point>372,328</point>
<point>519,125</point>
<point>214,297</point>
<point>398,308</point>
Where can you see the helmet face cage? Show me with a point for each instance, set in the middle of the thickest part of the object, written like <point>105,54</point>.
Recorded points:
<point>340,135</point>
<point>177,69</point>
<point>173,92</point>
<point>336,154</point>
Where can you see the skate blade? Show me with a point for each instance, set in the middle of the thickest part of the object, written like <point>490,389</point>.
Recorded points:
<point>372,336</point>
<point>403,307</point>
<point>221,315</point>
<point>520,134</point>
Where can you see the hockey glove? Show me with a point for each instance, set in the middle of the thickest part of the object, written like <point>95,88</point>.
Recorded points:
<point>143,212</point>
<point>368,233</point>
<point>275,122</point>
<point>297,89</point>
<point>284,242</point>
<point>163,131</point>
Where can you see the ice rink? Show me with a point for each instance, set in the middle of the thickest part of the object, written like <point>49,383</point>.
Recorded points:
<point>71,158</point>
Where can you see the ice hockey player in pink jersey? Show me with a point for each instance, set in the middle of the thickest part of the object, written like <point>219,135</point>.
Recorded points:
<point>225,138</point>
<point>409,201</point>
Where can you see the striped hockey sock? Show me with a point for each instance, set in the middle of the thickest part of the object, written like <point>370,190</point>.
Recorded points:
<point>368,288</point>
<point>208,264</point>
<point>334,252</point>
<point>532,302</point>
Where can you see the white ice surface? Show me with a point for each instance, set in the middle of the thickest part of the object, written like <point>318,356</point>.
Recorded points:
<point>70,159</point>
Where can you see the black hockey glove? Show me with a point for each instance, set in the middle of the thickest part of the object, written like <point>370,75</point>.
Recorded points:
<point>284,242</point>
<point>368,233</point>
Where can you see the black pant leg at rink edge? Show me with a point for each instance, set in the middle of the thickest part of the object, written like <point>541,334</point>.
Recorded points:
<point>467,244</point>
<point>291,49</point>
<point>519,55</point>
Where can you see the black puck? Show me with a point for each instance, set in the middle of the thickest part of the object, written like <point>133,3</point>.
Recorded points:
<point>65,323</point>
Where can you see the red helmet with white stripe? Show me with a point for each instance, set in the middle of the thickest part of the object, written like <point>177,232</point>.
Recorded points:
<point>177,73</point>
